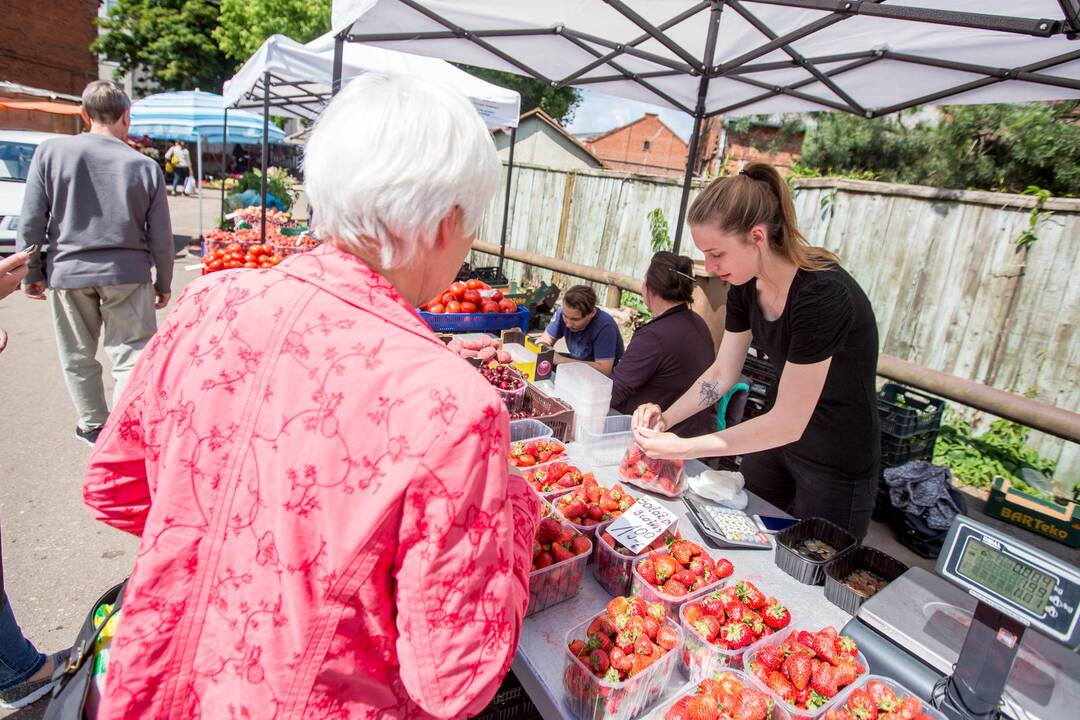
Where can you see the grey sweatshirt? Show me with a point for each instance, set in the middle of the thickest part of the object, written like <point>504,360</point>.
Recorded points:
<point>101,208</point>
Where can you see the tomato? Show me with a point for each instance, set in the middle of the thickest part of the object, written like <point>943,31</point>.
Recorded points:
<point>233,248</point>
<point>207,259</point>
<point>437,308</point>
<point>232,264</point>
<point>496,296</point>
<point>458,290</point>
<point>468,307</point>
<point>453,306</point>
<point>484,286</point>
<point>472,296</point>
<point>490,307</point>
<point>251,265</point>
<point>447,298</point>
<point>214,266</point>
<point>474,284</point>
<point>507,306</point>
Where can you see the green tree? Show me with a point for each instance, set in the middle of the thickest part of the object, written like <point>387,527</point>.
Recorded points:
<point>170,39</point>
<point>245,24</point>
<point>559,104</point>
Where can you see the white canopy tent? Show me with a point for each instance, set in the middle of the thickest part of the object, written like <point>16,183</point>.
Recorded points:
<point>740,57</point>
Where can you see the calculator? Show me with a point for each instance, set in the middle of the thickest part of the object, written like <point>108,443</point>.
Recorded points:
<point>726,527</point>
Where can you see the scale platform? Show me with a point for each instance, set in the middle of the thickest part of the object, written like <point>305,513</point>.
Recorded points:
<point>913,631</point>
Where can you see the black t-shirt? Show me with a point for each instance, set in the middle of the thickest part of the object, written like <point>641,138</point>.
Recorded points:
<point>826,315</point>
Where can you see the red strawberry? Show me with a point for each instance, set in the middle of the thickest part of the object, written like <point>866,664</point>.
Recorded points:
<point>825,647</point>
<point>548,531</point>
<point>760,671</point>
<point>678,710</point>
<point>665,567</point>
<point>618,606</point>
<point>638,606</point>
<point>639,664</point>
<point>806,638</point>
<point>799,648</point>
<point>595,625</point>
<point>651,627</point>
<point>708,627</point>
<point>884,697</point>
<point>777,616</point>
<point>846,671</point>
<point>684,551</point>
<point>668,637</point>
<point>643,646</point>
<point>737,612</point>
<point>560,552</point>
<point>674,588</point>
<point>702,707</point>
<point>861,704</point>
<point>647,570</point>
<point>692,612</point>
<point>910,707</point>
<point>577,647</point>
<point>698,565</point>
<point>802,696</point>
<point>543,560</point>
<point>712,687</point>
<point>771,657</point>
<point>751,705</point>
<point>847,646</point>
<point>755,623</point>
<point>823,681</point>
<point>797,668</point>
<point>619,659</point>
<point>557,469</point>
<point>737,635</point>
<point>686,577</point>
<point>780,685</point>
<point>580,545</point>
<point>750,595</point>
<point>657,611</point>
<point>723,568</point>
<point>599,661</point>
<point>573,509</point>
<point>713,604</point>
<point>838,714</point>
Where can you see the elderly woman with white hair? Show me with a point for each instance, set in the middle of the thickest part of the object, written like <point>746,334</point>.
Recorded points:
<point>328,527</point>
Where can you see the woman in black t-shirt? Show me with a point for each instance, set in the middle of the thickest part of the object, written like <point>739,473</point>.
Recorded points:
<point>816,451</point>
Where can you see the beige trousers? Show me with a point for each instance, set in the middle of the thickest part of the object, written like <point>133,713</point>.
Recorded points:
<point>126,312</point>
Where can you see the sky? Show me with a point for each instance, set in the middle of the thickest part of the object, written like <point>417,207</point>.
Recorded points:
<point>598,112</point>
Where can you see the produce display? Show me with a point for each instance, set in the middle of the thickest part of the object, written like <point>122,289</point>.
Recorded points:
<point>736,616</point>
<point>663,476</point>
<point>237,256</point>
<point>591,503</point>
<point>483,348</point>
<point>727,696</point>
<point>253,216</point>
<point>560,554</point>
<point>554,542</point>
<point>472,296</point>
<point>808,669</point>
<point>509,383</point>
<point>682,569</point>
<point>527,453</point>
<point>614,568</point>
<point>875,700</point>
<point>556,477</point>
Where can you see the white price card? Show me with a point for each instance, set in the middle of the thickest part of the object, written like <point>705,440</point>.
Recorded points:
<point>645,521</point>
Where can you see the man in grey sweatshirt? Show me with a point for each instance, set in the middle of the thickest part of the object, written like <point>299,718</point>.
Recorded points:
<point>100,207</point>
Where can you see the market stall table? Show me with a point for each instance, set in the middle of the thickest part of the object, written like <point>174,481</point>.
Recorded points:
<point>542,654</point>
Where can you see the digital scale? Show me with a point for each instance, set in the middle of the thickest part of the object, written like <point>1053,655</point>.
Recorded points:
<point>725,527</point>
<point>992,635</point>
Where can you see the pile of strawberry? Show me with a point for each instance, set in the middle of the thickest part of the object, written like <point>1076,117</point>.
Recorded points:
<point>724,697</point>
<point>877,701</point>
<point>736,616</point>
<point>556,476</point>
<point>554,543</point>
<point>683,569</point>
<point>808,669</point>
<point>663,476</point>
<point>527,453</point>
<point>626,640</point>
<point>614,571</point>
<point>592,503</point>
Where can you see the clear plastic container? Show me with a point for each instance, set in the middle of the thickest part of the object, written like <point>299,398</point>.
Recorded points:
<point>587,424</point>
<point>558,456</point>
<point>701,658</point>
<point>582,383</point>
<point>528,472</point>
<point>528,429</point>
<point>796,712</point>
<point>593,531</point>
<point>900,690</point>
<point>608,443</point>
<point>591,698</point>
<point>559,582</point>
<point>671,603</point>
<point>690,688</point>
<point>669,475</point>
<point>613,570</point>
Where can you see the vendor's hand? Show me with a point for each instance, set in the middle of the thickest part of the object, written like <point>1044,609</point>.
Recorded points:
<point>35,290</point>
<point>663,445</point>
<point>161,300</point>
<point>649,416</point>
<point>12,270</point>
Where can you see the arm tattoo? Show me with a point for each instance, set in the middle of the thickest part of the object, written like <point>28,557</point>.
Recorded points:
<point>709,394</point>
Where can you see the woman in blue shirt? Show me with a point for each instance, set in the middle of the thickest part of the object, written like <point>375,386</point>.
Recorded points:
<point>592,336</point>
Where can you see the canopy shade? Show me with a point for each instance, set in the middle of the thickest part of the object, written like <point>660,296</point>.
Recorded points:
<point>739,57</point>
<point>301,77</point>
<point>48,106</point>
<point>191,115</point>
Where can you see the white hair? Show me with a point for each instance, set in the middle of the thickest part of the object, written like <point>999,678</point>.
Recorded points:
<point>390,157</point>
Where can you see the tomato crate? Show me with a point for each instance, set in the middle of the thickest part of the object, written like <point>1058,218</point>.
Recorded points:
<point>905,412</point>
<point>476,322</point>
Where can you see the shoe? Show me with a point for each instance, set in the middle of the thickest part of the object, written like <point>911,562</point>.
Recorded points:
<point>28,692</point>
<point>88,436</point>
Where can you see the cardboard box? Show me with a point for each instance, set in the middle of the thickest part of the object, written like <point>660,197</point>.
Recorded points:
<point>1043,517</point>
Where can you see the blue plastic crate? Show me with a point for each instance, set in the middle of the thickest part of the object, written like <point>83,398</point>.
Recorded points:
<point>476,322</point>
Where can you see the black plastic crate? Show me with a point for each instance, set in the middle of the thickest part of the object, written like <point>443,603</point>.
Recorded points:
<point>897,451</point>
<point>803,569</point>
<point>510,703</point>
<point>905,412</point>
<point>884,566</point>
<point>491,275</point>
<point>759,369</point>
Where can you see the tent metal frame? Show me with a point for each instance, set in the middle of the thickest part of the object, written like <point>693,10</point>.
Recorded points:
<point>741,68</point>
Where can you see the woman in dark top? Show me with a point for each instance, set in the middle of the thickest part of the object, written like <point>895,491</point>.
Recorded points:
<point>669,352</point>
<point>816,451</point>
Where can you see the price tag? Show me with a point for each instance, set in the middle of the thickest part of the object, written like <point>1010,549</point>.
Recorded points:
<point>645,521</point>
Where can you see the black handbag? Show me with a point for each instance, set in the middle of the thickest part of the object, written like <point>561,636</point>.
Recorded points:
<point>73,679</point>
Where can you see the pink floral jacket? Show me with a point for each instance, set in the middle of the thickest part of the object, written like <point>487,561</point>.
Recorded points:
<point>328,528</point>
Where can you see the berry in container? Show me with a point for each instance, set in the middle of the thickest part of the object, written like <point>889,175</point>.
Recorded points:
<point>560,555</point>
<point>556,478</point>
<point>536,452</point>
<point>666,477</point>
<point>680,573</point>
<point>614,568</point>
<point>726,695</point>
<point>591,506</point>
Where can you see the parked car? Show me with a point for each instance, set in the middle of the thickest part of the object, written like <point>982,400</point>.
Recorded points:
<point>16,149</point>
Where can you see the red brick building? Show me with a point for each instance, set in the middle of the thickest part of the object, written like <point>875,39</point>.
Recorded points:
<point>46,46</point>
<point>646,146</point>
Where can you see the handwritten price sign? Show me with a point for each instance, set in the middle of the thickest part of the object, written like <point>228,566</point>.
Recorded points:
<point>645,521</point>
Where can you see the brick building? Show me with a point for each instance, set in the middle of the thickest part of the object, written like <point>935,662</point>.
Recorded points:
<point>646,146</point>
<point>764,141</point>
<point>46,47</point>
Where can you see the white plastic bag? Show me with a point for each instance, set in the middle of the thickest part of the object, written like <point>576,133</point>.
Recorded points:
<point>189,186</point>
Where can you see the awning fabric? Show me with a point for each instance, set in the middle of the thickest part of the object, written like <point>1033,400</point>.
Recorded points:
<point>192,114</point>
<point>55,108</point>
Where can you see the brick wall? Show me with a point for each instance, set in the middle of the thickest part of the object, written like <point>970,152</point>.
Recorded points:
<point>757,145</point>
<point>625,149</point>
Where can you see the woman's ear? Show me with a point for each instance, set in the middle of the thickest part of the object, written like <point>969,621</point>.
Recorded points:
<point>759,237</point>
<point>450,231</point>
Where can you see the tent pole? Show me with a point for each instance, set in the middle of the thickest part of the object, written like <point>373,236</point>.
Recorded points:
<point>506,199</point>
<point>224,145</point>
<point>265,151</point>
<point>688,177</point>
<point>198,180</point>
<point>339,56</point>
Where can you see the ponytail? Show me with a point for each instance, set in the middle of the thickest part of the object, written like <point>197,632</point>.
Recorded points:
<point>671,277</point>
<point>759,196</point>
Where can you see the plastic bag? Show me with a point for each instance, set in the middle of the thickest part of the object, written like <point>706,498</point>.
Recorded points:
<point>666,477</point>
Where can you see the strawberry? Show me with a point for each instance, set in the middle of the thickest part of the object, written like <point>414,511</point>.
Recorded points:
<point>805,638</point>
<point>846,671</point>
<point>737,635</point>
<point>619,659</point>
<point>665,567</point>
<point>657,611</point>
<point>750,595</point>
<point>639,664</point>
<point>711,686</point>
<point>635,624</point>
<point>548,531</point>
<point>797,668</point>
<point>643,646</point>
<point>823,681</point>
<point>580,545</point>
<point>737,612</point>
<point>713,604</point>
<point>776,616</point>
<point>838,714</point>
<point>780,685</point>
<point>678,710</point>
<point>684,551</point>
<point>612,676</point>
<point>573,510</point>
<point>802,696</point>
<point>723,568</point>
<point>595,625</point>
<point>771,657</point>
<point>910,707</point>
<point>884,697</point>
<point>799,648</point>
<point>625,641</point>
<point>577,647</point>
<point>674,588</point>
<point>638,606</point>
<point>618,606</point>
<point>708,627</point>
<point>847,646</point>
<point>698,565</point>
<point>543,560</point>
<point>686,577</point>
<point>668,637</point>
<point>825,647</point>
<point>647,570</point>
<point>560,552</point>
<point>692,612</point>
<point>751,705</point>
<point>595,512</point>
<point>861,704</point>
<point>702,707</point>
<point>651,627</point>
<point>755,623</point>
<point>760,672</point>
<point>599,662</point>
<point>815,700</point>
<point>557,469</point>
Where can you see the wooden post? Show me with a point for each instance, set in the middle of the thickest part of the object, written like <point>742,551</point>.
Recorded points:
<point>612,297</point>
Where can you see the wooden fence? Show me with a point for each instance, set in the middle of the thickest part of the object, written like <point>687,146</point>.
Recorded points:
<point>950,287</point>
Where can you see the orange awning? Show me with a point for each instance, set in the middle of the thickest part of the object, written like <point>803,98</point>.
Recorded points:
<point>49,106</point>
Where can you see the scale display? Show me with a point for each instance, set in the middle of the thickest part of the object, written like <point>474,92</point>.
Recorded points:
<point>1037,589</point>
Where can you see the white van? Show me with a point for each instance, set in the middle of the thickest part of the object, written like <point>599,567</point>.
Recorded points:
<point>16,149</point>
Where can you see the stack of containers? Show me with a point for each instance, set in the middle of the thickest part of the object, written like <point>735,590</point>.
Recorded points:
<point>910,422</point>
<point>589,392</point>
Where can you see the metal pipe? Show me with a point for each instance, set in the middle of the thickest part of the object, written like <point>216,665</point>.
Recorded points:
<point>506,200</point>
<point>224,148</point>
<point>623,282</point>
<point>265,151</point>
<point>339,57</point>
